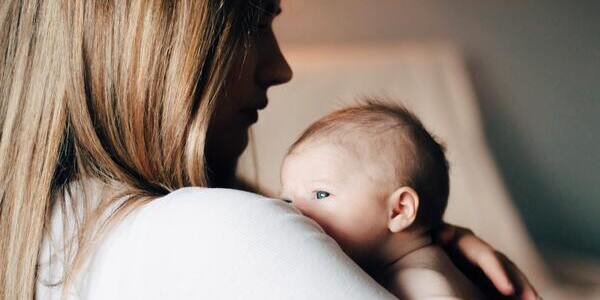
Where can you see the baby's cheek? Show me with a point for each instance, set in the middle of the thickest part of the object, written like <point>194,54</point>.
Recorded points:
<point>354,230</point>
<point>304,207</point>
<point>313,211</point>
<point>345,236</point>
<point>300,204</point>
<point>332,222</point>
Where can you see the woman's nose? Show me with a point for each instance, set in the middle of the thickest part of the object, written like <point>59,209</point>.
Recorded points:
<point>274,68</point>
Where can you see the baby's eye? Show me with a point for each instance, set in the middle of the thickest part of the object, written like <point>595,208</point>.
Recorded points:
<point>321,195</point>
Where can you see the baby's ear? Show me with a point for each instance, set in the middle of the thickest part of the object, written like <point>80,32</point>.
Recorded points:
<point>403,205</point>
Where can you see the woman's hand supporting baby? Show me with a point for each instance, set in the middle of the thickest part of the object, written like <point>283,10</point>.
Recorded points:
<point>492,271</point>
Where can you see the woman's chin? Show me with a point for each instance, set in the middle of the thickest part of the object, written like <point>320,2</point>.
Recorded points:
<point>224,151</point>
<point>234,146</point>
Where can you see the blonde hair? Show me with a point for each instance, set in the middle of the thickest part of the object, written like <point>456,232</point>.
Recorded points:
<point>120,91</point>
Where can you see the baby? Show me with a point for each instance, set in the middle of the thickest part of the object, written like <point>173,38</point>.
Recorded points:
<point>377,182</point>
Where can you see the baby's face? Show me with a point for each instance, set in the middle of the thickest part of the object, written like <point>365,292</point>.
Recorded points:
<point>332,186</point>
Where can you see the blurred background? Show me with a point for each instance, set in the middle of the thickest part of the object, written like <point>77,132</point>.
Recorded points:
<point>532,69</point>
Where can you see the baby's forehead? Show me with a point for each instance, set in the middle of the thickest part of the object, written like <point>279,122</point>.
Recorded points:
<point>360,153</point>
<point>323,162</point>
<point>365,142</point>
<point>328,154</point>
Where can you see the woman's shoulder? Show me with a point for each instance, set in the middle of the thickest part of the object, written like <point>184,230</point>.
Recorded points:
<point>191,237</point>
<point>194,215</point>
<point>194,206</point>
<point>220,243</point>
<point>194,198</point>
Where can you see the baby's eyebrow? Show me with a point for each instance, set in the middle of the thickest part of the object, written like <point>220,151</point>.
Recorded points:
<point>329,173</point>
<point>321,181</point>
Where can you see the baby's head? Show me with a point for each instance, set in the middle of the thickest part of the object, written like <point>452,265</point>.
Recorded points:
<point>367,173</point>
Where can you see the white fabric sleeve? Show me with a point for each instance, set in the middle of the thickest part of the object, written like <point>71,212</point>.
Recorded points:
<point>199,243</point>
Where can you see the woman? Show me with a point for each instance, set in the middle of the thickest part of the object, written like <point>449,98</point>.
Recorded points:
<point>111,112</point>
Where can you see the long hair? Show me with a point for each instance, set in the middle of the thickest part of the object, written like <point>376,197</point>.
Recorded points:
<point>120,91</point>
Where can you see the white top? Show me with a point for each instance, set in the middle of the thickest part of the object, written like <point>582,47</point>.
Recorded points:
<point>200,243</point>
